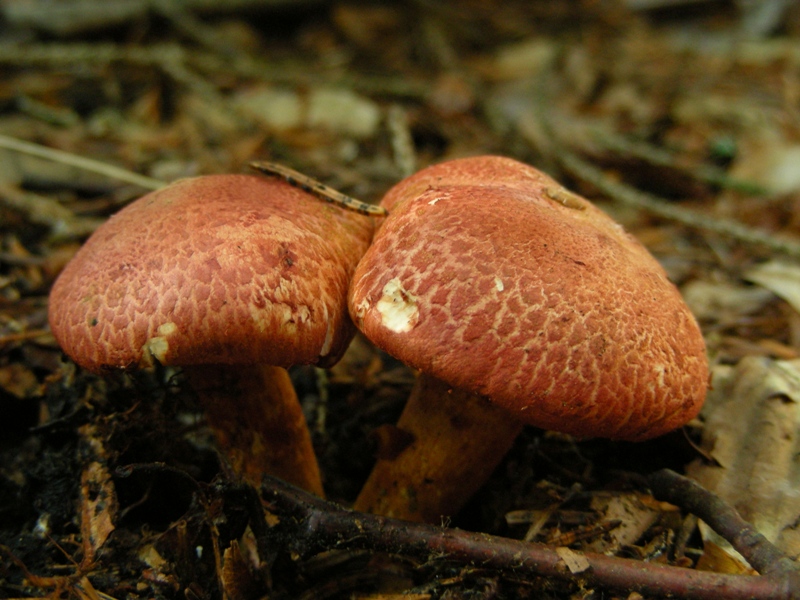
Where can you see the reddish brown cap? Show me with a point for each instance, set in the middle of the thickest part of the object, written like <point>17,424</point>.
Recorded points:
<point>492,277</point>
<point>218,269</point>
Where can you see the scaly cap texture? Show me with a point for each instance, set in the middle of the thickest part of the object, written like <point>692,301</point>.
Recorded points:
<point>219,269</point>
<point>492,277</point>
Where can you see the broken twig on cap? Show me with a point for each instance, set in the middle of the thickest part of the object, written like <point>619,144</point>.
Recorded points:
<point>317,188</point>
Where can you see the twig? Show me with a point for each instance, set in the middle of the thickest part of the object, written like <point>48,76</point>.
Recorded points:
<point>170,58</point>
<point>722,518</point>
<point>661,157</point>
<point>656,206</point>
<point>552,144</point>
<point>22,336</point>
<point>56,54</point>
<point>159,56</point>
<point>71,18</point>
<point>402,142</point>
<point>87,164</point>
<point>175,62</point>
<point>317,188</point>
<point>187,23</point>
<point>315,525</point>
<point>40,210</point>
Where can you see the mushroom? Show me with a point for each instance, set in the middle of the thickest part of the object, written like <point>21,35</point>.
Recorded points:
<point>234,278</point>
<point>520,303</point>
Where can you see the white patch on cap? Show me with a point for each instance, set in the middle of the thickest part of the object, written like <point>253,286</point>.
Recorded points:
<point>158,346</point>
<point>444,196</point>
<point>326,345</point>
<point>398,307</point>
<point>498,283</point>
<point>361,309</point>
<point>660,371</point>
<point>290,319</point>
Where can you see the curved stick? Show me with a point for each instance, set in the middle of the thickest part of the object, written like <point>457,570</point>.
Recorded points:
<point>317,525</point>
<point>762,555</point>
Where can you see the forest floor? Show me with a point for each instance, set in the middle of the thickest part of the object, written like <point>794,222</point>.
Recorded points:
<point>680,119</point>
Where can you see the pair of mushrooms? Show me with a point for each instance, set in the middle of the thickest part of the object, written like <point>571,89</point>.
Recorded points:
<point>518,301</point>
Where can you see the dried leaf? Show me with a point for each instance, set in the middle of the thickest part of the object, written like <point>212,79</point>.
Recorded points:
<point>723,302</point>
<point>98,506</point>
<point>752,418</point>
<point>98,503</point>
<point>782,279</point>
<point>721,560</point>
<point>18,380</point>
<point>237,578</point>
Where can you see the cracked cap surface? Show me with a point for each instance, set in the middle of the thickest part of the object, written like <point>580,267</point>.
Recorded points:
<point>218,269</point>
<point>490,276</point>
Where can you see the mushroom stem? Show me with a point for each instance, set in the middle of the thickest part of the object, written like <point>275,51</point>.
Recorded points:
<point>458,439</point>
<point>267,433</point>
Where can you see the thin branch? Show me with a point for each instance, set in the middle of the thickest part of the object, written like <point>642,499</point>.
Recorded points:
<point>80,162</point>
<point>74,17</point>
<point>170,58</point>
<point>21,336</point>
<point>314,525</point>
<point>164,56</point>
<point>545,136</point>
<point>661,208</point>
<point>722,518</point>
<point>402,142</point>
<point>661,157</point>
<point>41,210</point>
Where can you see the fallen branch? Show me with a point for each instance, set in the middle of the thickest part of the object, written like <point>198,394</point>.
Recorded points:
<point>314,525</point>
<point>41,210</point>
<point>207,64</point>
<point>548,139</point>
<point>80,162</point>
<point>630,196</point>
<point>762,555</point>
<point>655,155</point>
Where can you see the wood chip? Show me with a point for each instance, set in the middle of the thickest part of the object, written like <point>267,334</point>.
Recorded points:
<point>575,561</point>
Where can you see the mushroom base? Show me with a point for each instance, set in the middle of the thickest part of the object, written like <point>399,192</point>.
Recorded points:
<point>258,422</point>
<point>456,441</point>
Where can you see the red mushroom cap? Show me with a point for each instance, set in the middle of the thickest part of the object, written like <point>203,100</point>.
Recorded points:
<point>218,269</point>
<point>493,278</point>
